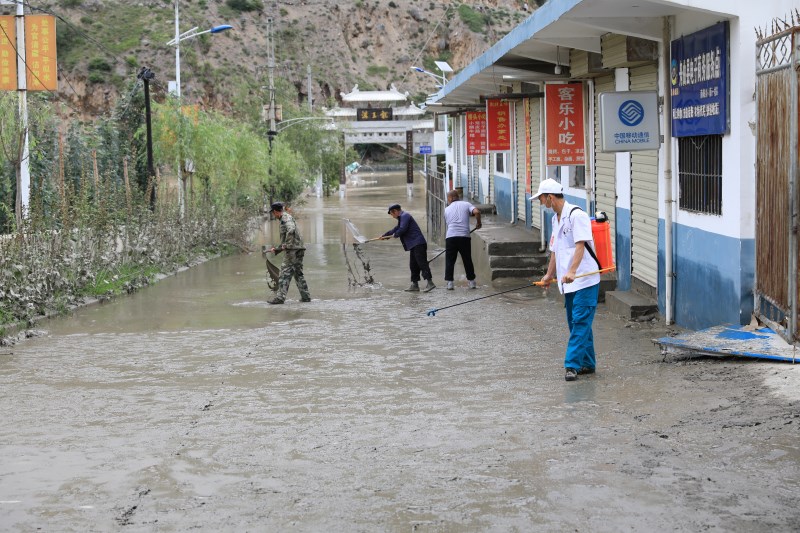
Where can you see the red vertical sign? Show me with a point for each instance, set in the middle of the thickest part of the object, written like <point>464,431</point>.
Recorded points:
<point>564,124</point>
<point>527,107</point>
<point>498,129</point>
<point>476,133</point>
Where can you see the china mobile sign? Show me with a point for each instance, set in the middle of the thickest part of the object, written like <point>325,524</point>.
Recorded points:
<point>629,121</point>
<point>699,73</point>
<point>564,124</point>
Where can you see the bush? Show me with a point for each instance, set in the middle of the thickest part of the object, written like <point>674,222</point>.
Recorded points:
<point>377,70</point>
<point>99,64</point>
<point>244,5</point>
<point>474,20</point>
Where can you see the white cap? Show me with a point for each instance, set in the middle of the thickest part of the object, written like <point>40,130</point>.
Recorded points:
<point>548,186</point>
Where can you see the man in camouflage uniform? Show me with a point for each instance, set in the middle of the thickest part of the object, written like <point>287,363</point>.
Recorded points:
<point>292,266</point>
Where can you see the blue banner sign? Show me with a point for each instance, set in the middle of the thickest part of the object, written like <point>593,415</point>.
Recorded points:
<point>425,149</point>
<point>699,72</point>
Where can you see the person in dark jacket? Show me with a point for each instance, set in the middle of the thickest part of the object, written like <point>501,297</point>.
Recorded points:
<point>407,230</point>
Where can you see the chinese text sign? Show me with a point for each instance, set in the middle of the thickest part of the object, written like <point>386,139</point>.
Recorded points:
<point>476,133</point>
<point>8,54</point>
<point>40,52</point>
<point>564,124</point>
<point>498,128</point>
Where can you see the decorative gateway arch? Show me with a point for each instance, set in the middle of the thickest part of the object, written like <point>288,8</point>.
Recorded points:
<point>374,117</point>
<point>777,189</point>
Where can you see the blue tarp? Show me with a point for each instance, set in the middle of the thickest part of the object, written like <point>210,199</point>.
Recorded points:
<point>741,341</point>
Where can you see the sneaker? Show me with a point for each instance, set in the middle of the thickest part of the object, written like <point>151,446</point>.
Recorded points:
<point>450,286</point>
<point>305,299</point>
<point>571,374</point>
<point>274,301</point>
<point>583,371</point>
<point>414,287</point>
<point>429,287</point>
<point>472,284</point>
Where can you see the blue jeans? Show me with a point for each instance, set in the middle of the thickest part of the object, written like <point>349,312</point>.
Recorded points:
<point>581,306</point>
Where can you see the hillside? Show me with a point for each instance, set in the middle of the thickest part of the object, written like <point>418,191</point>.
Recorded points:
<point>103,43</point>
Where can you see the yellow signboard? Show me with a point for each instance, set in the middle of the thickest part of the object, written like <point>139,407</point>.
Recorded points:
<point>8,53</point>
<point>40,52</point>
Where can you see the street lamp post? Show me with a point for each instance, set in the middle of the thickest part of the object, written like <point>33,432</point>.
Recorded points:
<point>176,42</point>
<point>444,68</point>
<point>189,34</point>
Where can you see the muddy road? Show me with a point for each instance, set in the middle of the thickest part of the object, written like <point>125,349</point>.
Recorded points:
<point>195,405</point>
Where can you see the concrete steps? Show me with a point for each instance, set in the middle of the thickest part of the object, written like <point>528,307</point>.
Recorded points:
<point>509,251</point>
<point>631,305</point>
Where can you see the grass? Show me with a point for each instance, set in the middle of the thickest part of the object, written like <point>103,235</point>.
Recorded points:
<point>112,283</point>
<point>474,20</point>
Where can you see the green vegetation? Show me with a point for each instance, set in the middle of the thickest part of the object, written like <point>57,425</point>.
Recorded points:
<point>119,280</point>
<point>244,5</point>
<point>474,20</point>
<point>377,70</point>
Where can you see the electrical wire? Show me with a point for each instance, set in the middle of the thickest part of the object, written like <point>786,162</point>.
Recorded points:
<point>425,44</point>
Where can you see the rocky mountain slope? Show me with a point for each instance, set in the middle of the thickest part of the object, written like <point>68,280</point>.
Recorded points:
<point>372,43</point>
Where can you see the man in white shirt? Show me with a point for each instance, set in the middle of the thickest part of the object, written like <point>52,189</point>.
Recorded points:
<point>572,266</point>
<point>457,240</point>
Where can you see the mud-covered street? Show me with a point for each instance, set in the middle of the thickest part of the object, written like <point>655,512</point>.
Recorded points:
<point>195,405</point>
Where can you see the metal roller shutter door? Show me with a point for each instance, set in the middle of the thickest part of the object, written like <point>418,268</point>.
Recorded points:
<point>644,194</point>
<point>536,158</point>
<point>520,110</point>
<point>605,166</point>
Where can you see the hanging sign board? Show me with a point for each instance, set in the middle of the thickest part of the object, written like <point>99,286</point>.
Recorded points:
<point>564,124</point>
<point>8,54</point>
<point>629,121</point>
<point>476,133</point>
<point>699,83</point>
<point>40,52</point>
<point>381,115</point>
<point>498,127</point>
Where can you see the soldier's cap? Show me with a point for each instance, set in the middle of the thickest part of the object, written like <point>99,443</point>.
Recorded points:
<point>393,206</point>
<point>277,206</point>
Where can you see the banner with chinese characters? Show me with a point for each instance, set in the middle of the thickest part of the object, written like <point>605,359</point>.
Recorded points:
<point>8,54</point>
<point>476,132</point>
<point>40,52</point>
<point>564,134</point>
<point>498,127</point>
<point>699,82</point>
<point>380,114</point>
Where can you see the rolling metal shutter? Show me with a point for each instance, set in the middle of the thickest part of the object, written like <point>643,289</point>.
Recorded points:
<point>521,149</point>
<point>605,165</point>
<point>644,193</point>
<point>536,158</point>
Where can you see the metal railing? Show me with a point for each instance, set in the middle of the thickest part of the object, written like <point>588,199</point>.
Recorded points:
<point>435,203</point>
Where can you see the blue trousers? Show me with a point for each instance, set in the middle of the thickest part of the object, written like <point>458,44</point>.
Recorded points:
<point>581,306</point>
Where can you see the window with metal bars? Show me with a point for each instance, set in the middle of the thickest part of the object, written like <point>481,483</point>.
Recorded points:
<point>700,174</point>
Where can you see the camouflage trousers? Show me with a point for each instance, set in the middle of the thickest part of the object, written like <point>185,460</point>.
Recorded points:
<point>292,267</point>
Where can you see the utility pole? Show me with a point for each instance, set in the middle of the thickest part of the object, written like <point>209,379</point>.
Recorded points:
<point>23,161</point>
<point>145,74</point>
<point>308,85</point>
<point>272,133</point>
<point>271,69</point>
